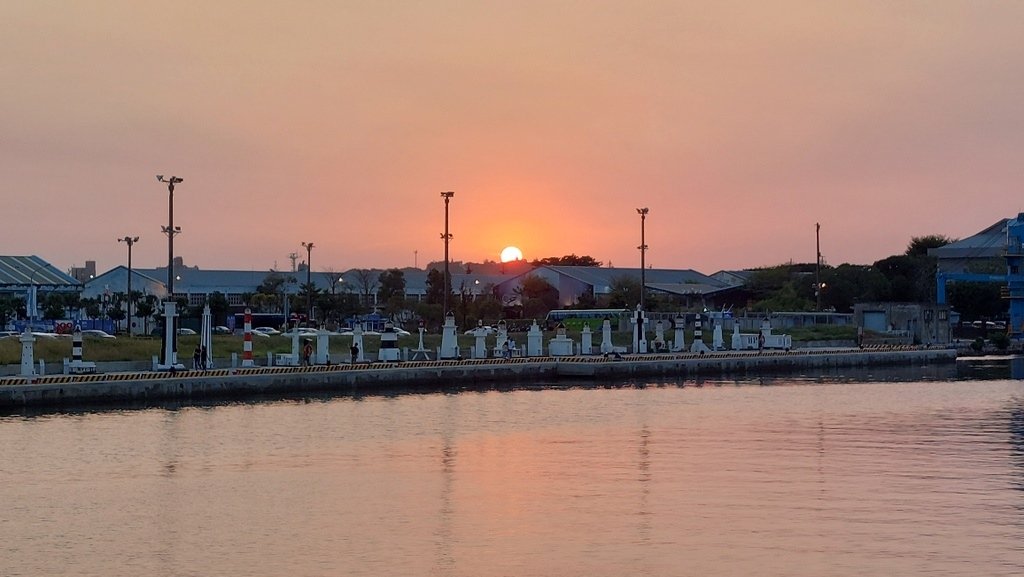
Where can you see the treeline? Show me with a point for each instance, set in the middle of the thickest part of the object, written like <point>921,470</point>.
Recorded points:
<point>907,277</point>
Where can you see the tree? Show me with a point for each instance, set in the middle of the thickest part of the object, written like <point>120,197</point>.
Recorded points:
<point>538,296</point>
<point>92,308</point>
<point>392,283</point>
<point>53,307</point>
<point>333,278</point>
<point>848,284</point>
<point>218,307</point>
<point>567,260</point>
<point>115,312</point>
<point>435,287</point>
<point>308,293</point>
<point>9,306</point>
<point>624,292</point>
<point>145,309</point>
<point>272,284</point>
<point>367,284</point>
<point>919,245</point>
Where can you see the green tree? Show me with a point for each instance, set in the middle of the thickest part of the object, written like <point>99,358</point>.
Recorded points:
<point>53,307</point>
<point>392,284</point>
<point>435,287</point>
<point>9,306</point>
<point>145,309</point>
<point>218,307</point>
<point>92,308</point>
<point>567,260</point>
<point>538,295</point>
<point>849,284</point>
<point>624,292</point>
<point>919,245</point>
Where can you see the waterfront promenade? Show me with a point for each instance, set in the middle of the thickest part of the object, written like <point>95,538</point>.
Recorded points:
<point>143,387</point>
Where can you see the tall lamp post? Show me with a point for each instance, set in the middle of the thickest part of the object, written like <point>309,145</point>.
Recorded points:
<point>170,230</point>
<point>309,282</point>
<point>643,251</point>
<point>447,237</point>
<point>817,267</point>
<point>129,240</point>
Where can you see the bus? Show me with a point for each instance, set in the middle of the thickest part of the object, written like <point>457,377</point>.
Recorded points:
<point>576,318</point>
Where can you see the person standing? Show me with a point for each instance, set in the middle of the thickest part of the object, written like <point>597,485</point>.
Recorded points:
<point>355,352</point>
<point>197,358</point>
<point>307,353</point>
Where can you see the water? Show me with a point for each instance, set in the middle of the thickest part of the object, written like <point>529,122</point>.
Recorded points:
<point>915,472</point>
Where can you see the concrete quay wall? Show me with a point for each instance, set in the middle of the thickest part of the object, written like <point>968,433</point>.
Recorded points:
<point>146,387</point>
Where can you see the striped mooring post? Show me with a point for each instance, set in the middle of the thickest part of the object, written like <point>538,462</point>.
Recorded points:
<point>76,346</point>
<point>247,344</point>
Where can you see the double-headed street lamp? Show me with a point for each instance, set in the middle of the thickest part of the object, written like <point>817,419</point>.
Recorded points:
<point>170,230</point>
<point>643,251</point>
<point>309,280</point>
<point>129,240</point>
<point>447,237</point>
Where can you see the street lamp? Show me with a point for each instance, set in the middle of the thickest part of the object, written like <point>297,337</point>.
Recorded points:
<point>817,267</point>
<point>643,251</point>
<point>129,240</point>
<point>309,282</point>
<point>447,237</point>
<point>170,230</point>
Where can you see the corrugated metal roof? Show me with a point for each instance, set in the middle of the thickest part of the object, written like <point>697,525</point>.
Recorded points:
<point>23,271</point>
<point>600,276</point>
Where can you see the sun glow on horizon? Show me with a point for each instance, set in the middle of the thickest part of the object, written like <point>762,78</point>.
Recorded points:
<point>511,253</point>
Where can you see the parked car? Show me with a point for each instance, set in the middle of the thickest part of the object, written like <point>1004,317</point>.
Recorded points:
<point>96,333</point>
<point>185,331</point>
<point>266,331</point>
<point>221,330</point>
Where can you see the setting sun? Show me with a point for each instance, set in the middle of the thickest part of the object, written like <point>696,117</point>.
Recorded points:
<point>511,253</point>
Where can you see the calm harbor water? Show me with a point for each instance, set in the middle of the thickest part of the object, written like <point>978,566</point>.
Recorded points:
<point>882,472</point>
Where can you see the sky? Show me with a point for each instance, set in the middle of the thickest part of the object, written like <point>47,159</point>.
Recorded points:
<point>738,124</point>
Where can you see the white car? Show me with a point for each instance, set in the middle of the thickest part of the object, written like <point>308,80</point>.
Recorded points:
<point>96,333</point>
<point>186,331</point>
<point>266,331</point>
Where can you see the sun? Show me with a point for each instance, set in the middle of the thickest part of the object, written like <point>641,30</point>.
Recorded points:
<point>511,253</point>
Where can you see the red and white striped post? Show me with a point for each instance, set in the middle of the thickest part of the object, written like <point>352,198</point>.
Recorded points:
<point>247,345</point>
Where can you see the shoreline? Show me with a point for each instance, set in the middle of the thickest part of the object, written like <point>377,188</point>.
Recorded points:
<point>112,389</point>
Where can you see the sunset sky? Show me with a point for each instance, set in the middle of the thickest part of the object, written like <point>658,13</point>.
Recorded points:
<point>739,124</point>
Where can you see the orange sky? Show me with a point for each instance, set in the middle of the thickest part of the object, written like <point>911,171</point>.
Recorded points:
<point>739,124</point>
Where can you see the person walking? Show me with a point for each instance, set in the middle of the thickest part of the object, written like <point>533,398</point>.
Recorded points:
<point>197,358</point>
<point>307,352</point>
<point>355,352</point>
